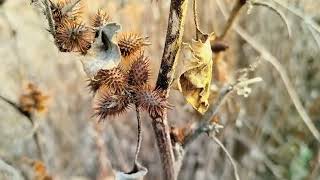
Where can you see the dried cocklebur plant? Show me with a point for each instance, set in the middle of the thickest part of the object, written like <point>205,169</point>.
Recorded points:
<point>114,61</point>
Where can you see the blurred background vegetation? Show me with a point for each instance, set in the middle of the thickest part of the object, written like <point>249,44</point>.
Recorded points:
<point>264,133</point>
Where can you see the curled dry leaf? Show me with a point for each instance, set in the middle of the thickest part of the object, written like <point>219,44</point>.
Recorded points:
<point>194,72</point>
<point>104,53</point>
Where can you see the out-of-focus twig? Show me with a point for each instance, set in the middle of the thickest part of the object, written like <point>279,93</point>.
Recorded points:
<point>315,36</point>
<point>195,18</point>
<point>236,174</point>
<point>204,125</point>
<point>277,11</point>
<point>48,13</point>
<point>31,120</point>
<point>233,15</point>
<point>306,19</point>
<point>280,69</point>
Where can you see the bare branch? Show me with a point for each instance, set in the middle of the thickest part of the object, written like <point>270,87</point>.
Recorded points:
<point>233,15</point>
<point>236,174</point>
<point>306,19</point>
<point>277,11</point>
<point>204,125</point>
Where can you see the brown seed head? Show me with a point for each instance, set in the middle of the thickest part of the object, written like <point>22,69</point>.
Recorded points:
<point>99,19</point>
<point>110,104</point>
<point>66,10</point>
<point>131,43</point>
<point>114,79</point>
<point>33,100</point>
<point>75,37</point>
<point>152,101</point>
<point>139,72</point>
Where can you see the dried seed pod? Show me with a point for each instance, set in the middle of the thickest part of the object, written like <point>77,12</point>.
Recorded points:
<point>33,100</point>
<point>114,79</point>
<point>152,101</point>
<point>99,19</point>
<point>66,10</point>
<point>75,37</point>
<point>131,43</point>
<point>109,104</point>
<point>139,72</point>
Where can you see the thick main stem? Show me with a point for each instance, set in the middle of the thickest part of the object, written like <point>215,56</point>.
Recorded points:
<point>178,9</point>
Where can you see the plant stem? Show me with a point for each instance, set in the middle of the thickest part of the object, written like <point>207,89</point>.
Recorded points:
<point>177,14</point>
<point>139,138</point>
<point>233,15</point>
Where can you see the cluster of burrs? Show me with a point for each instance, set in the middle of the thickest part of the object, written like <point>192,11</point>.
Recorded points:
<point>118,88</point>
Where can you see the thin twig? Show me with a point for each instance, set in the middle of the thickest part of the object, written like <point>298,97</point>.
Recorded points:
<point>306,19</point>
<point>48,13</point>
<point>236,174</point>
<point>278,12</point>
<point>233,15</point>
<point>280,69</point>
<point>139,138</point>
<point>202,126</point>
<point>315,36</point>
<point>195,18</point>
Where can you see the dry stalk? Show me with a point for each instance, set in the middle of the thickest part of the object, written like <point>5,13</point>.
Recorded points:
<point>177,14</point>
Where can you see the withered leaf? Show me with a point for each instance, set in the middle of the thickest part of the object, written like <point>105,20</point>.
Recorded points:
<point>194,72</point>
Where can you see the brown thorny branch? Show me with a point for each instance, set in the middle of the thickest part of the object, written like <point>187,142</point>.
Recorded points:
<point>172,164</point>
<point>31,120</point>
<point>176,20</point>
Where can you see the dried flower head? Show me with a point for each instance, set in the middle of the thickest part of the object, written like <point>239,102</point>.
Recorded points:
<point>113,79</point>
<point>139,72</point>
<point>99,19</point>
<point>152,101</point>
<point>74,37</point>
<point>109,104</point>
<point>66,10</point>
<point>131,43</point>
<point>33,100</point>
